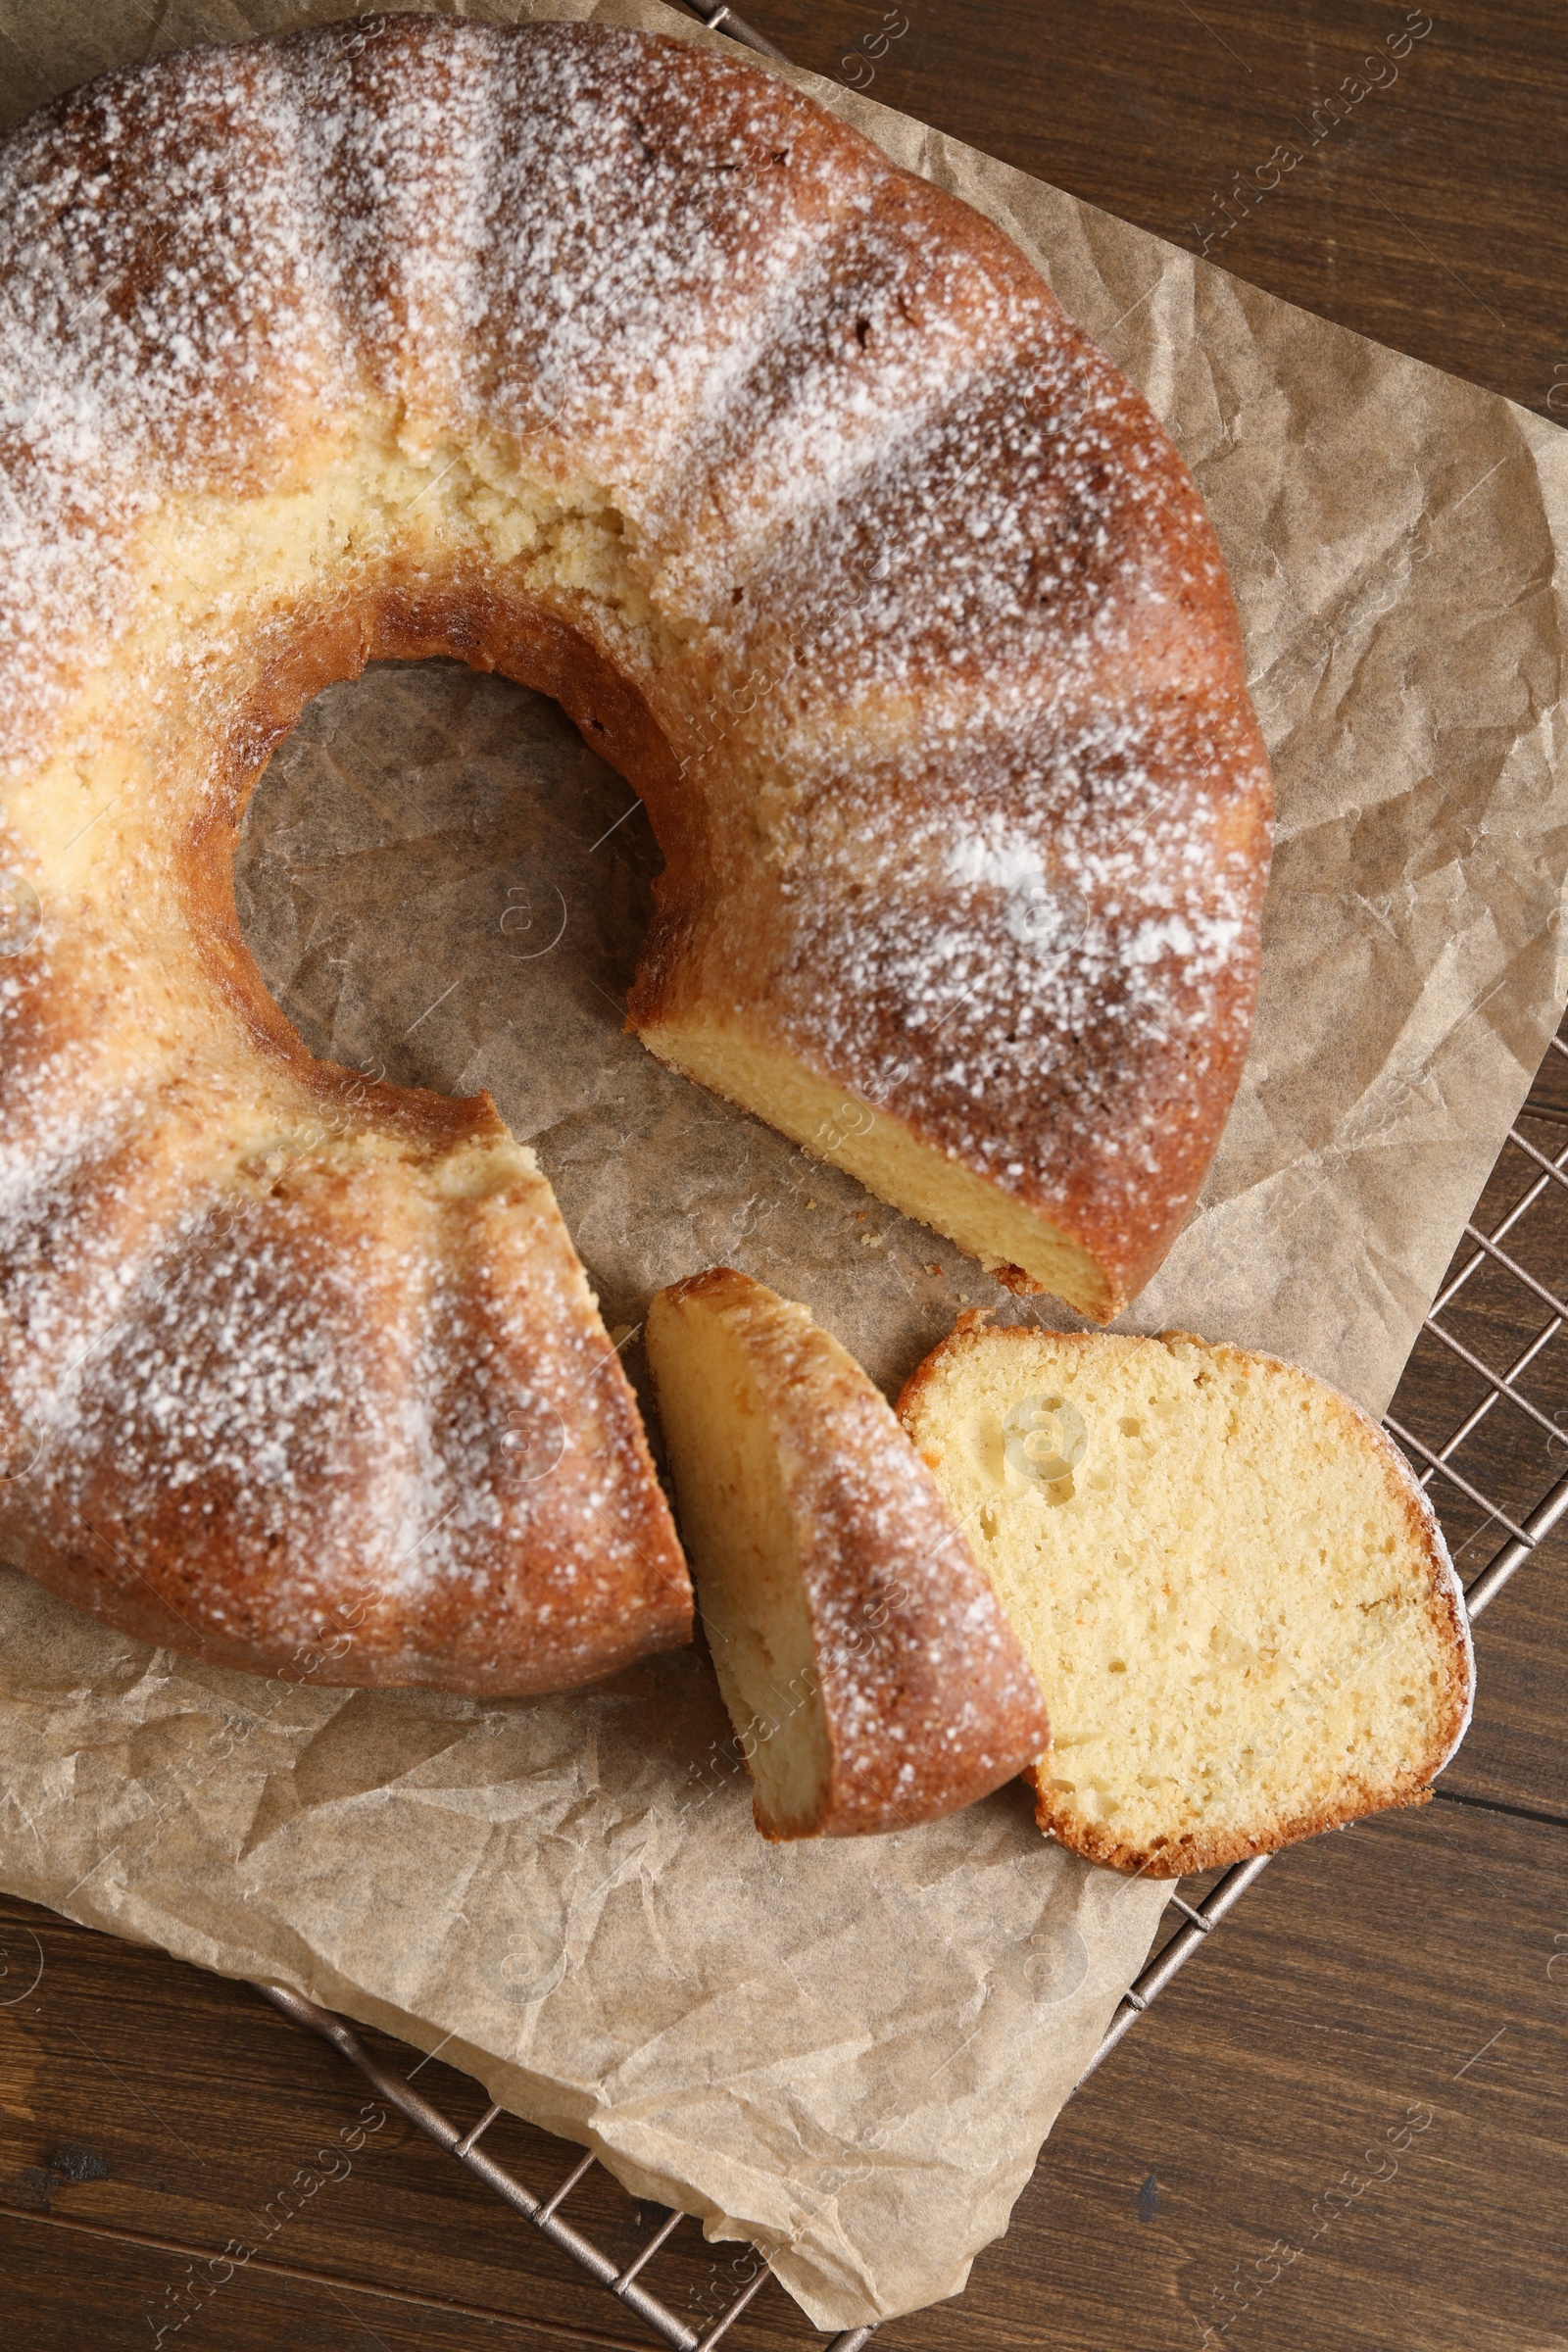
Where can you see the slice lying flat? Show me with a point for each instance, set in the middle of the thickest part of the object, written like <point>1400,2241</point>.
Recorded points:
<point>1238,1603</point>
<point>872,1679</point>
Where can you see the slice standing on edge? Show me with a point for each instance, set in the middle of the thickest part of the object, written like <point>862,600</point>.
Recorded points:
<point>871,1677</point>
<point>1237,1601</point>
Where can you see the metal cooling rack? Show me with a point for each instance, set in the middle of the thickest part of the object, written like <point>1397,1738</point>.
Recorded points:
<point>1484,1478</point>
<point>1471,1516</point>
<point>1479,1301</point>
<point>723,19</point>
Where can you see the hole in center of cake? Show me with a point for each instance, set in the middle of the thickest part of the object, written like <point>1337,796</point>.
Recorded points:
<point>442,886</point>
<point>441,882</point>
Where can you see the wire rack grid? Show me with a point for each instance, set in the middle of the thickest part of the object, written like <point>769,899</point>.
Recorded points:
<point>1486,1478</point>
<point>1471,1516</point>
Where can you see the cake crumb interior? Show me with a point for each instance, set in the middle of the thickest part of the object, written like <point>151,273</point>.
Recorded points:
<point>1231,1627</point>
<point>744,1543</point>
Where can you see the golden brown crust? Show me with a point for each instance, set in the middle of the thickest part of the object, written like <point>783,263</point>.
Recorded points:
<point>1183,1855</point>
<point>279,288</point>
<point>928,1700</point>
<point>523,1546</point>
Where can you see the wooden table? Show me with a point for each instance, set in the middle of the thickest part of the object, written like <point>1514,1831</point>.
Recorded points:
<point>1407,1982</point>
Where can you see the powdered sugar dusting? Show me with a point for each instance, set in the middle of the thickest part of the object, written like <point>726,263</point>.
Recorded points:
<point>930,1697</point>
<point>916,592</point>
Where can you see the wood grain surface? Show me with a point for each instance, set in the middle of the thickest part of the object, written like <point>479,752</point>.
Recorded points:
<point>1344,2127</point>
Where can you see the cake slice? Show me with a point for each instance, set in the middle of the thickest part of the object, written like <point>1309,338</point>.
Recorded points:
<point>872,1679</point>
<point>1234,1595</point>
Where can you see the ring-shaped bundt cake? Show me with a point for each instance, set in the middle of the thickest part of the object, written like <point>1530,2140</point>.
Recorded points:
<point>623,369</point>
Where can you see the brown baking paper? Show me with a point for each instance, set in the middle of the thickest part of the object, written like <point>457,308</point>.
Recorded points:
<point>849,2053</point>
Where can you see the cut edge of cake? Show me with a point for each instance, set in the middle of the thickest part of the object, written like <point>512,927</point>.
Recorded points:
<point>869,1671</point>
<point>1024,1246</point>
<point>1251,1708</point>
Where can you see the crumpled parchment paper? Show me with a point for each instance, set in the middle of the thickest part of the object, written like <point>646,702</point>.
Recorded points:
<point>848,2054</point>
